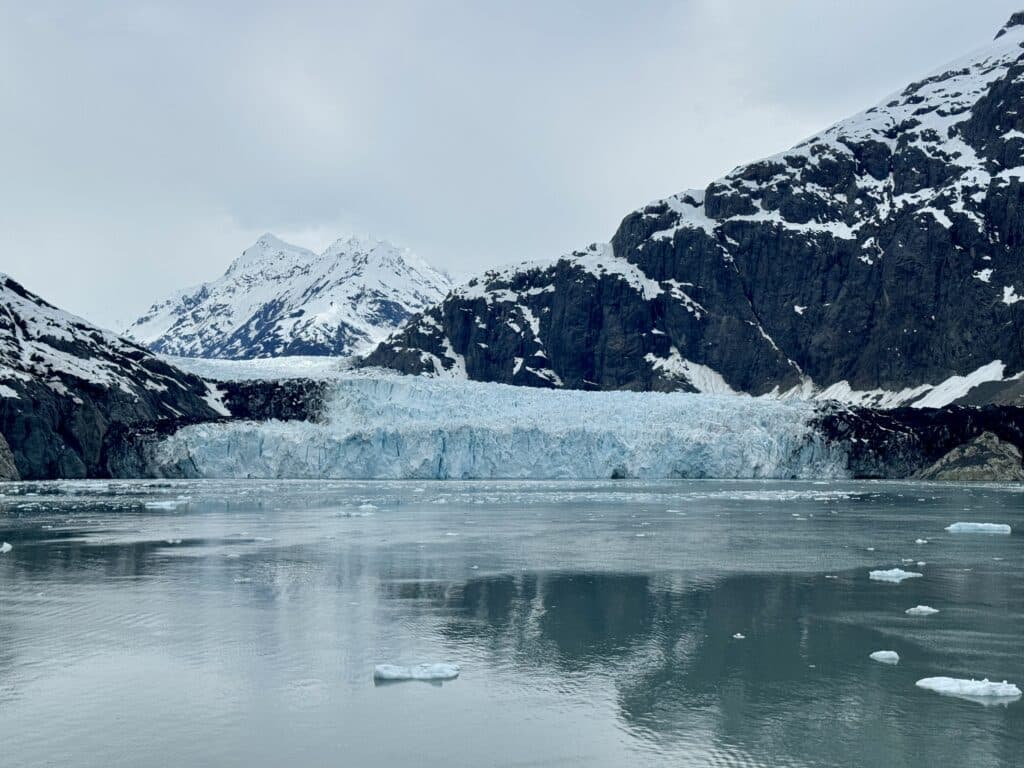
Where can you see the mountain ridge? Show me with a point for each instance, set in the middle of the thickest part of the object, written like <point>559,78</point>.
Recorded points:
<point>279,299</point>
<point>879,256</point>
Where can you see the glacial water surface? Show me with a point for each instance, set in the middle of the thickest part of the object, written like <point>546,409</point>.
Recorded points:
<point>595,624</point>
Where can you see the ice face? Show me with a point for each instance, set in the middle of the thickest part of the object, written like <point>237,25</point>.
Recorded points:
<point>394,427</point>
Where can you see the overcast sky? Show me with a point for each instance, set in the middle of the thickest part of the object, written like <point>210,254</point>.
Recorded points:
<point>143,145</point>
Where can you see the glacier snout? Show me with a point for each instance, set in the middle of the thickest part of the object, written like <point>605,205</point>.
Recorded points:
<point>393,427</point>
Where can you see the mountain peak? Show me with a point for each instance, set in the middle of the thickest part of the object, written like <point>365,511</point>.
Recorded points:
<point>280,299</point>
<point>1016,20</point>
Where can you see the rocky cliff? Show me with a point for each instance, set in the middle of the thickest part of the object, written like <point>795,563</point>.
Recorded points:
<point>67,387</point>
<point>876,262</point>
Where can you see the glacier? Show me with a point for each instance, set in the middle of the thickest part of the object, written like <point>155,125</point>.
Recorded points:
<point>387,426</point>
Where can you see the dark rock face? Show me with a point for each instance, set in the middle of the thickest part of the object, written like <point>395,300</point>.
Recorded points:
<point>8,471</point>
<point>884,252</point>
<point>283,400</point>
<point>69,391</point>
<point>902,442</point>
<point>985,458</point>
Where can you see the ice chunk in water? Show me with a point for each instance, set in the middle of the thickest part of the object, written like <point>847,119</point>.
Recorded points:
<point>5,548</point>
<point>174,504</point>
<point>982,691</point>
<point>894,575</point>
<point>886,657</point>
<point>921,610</point>
<point>739,636</point>
<point>392,672</point>
<point>367,508</point>
<point>979,528</point>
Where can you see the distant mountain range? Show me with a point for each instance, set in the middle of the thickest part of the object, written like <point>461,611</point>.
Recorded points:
<point>279,299</point>
<point>880,261</point>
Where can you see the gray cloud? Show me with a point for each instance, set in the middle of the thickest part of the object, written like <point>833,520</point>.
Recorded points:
<point>144,144</point>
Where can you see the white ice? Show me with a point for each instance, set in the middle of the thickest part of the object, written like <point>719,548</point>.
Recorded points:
<point>406,427</point>
<point>921,610</point>
<point>979,528</point>
<point>886,657</point>
<point>894,575</point>
<point>5,548</point>
<point>982,691</point>
<point>739,636</point>
<point>416,672</point>
<point>162,504</point>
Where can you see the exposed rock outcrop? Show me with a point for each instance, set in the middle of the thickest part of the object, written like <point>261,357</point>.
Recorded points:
<point>8,471</point>
<point>986,457</point>
<point>901,442</point>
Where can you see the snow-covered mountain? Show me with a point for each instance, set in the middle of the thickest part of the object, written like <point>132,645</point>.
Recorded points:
<point>66,386</point>
<point>880,260</point>
<point>278,299</point>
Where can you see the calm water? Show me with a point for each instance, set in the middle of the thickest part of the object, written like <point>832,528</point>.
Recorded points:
<point>238,624</point>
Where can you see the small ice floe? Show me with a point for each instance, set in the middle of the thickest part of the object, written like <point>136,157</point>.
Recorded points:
<point>921,563</point>
<point>172,504</point>
<point>739,636</point>
<point>871,549</point>
<point>979,528</point>
<point>920,541</point>
<point>368,508</point>
<point>921,610</point>
<point>886,657</point>
<point>893,575</point>
<point>172,541</point>
<point>830,576</point>
<point>5,548</point>
<point>428,672</point>
<point>981,691</point>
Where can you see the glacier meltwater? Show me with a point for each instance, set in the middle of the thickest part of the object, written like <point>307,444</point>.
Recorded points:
<point>397,427</point>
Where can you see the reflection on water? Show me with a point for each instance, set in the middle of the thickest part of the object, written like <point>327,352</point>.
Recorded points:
<point>594,624</point>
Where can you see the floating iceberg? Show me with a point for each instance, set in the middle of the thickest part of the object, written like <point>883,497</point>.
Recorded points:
<point>394,673</point>
<point>886,657</point>
<point>163,504</point>
<point>407,427</point>
<point>894,575</point>
<point>979,528</point>
<point>739,636</point>
<point>981,691</point>
<point>921,610</point>
<point>5,548</point>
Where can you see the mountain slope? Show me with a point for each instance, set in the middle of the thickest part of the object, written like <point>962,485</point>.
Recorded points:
<point>279,299</point>
<point>874,261</point>
<point>66,387</point>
